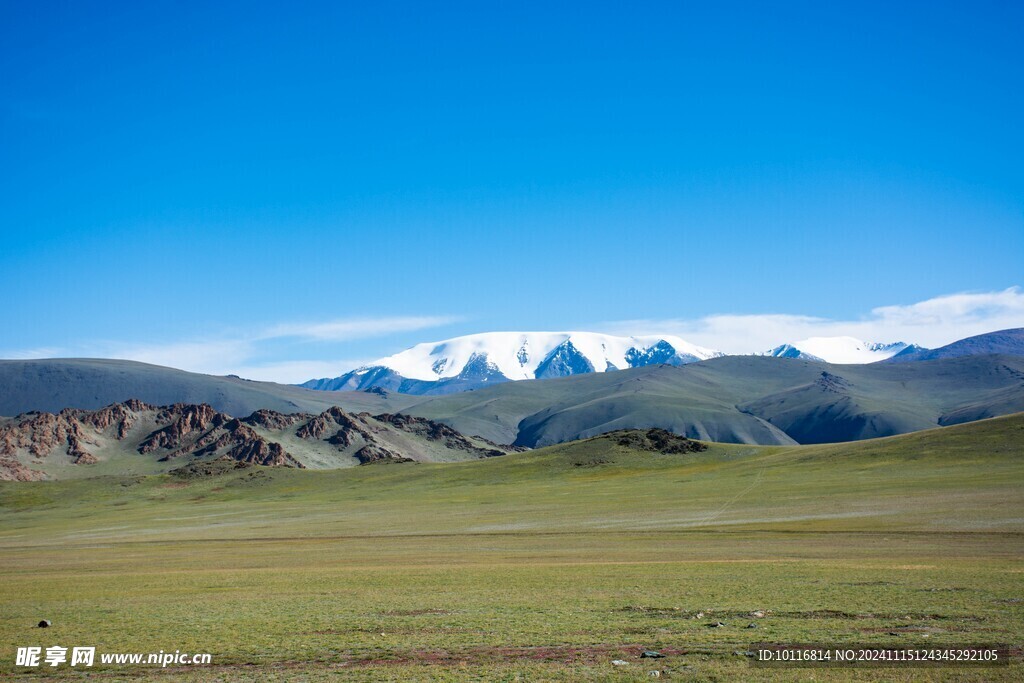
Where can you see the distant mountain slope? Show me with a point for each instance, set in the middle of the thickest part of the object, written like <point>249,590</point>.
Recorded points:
<point>739,399</point>
<point>134,437</point>
<point>479,360</point>
<point>1006,342</point>
<point>55,384</point>
<point>839,350</point>
<point>742,399</point>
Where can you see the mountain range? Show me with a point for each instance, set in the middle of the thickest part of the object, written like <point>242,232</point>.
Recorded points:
<point>1006,342</point>
<point>738,399</point>
<point>840,350</point>
<point>481,360</point>
<point>478,360</point>
<point>135,437</point>
<point>742,399</point>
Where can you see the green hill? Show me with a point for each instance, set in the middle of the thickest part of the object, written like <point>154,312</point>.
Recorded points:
<point>90,383</point>
<point>737,399</point>
<point>742,399</point>
<point>898,482</point>
<point>544,565</point>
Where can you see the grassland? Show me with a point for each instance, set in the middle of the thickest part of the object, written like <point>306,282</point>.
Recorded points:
<point>544,565</point>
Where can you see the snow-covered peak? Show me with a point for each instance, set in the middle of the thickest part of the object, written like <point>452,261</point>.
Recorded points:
<point>519,355</point>
<point>839,350</point>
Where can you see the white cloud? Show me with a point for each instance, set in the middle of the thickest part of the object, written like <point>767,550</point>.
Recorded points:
<point>296,371</point>
<point>247,354</point>
<point>39,352</point>
<point>356,328</point>
<point>212,357</point>
<point>932,323</point>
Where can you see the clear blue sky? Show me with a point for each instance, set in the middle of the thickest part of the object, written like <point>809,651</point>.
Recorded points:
<point>186,172</point>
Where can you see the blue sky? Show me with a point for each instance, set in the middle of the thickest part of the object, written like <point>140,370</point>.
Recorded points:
<point>279,189</point>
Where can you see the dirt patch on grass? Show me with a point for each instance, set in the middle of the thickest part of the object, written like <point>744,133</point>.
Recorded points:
<point>698,614</point>
<point>713,614</point>
<point>906,616</point>
<point>204,470</point>
<point>416,612</point>
<point>902,629</point>
<point>567,654</point>
<point>869,583</point>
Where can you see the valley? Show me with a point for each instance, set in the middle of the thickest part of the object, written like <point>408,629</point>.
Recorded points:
<point>546,564</point>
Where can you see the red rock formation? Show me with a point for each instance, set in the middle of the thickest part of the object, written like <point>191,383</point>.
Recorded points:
<point>12,470</point>
<point>344,426</point>
<point>271,419</point>
<point>260,452</point>
<point>185,421</point>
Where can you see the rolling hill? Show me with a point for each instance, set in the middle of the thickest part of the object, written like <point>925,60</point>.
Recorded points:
<point>742,399</point>
<point>55,384</point>
<point>1005,342</point>
<point>546,565</point>
<point>733,399</point>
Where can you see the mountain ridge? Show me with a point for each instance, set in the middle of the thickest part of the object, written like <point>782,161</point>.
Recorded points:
<point>1007,342</point>
<point>52,385</point>
<point>841,350</point>
<point>742,399</point>
<point>739,399</point>
<point>137,436</point>
<point>477,360</point>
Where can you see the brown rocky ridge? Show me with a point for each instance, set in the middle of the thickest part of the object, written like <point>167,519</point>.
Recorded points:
<point>38,445</point>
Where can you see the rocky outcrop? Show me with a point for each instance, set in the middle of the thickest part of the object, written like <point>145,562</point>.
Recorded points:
<point>188,430</point>
<point>260,452</point>
<point>428,429</point>
<point>76,446</point>
<point>656,441</point>
<point>39,433</point>
<point>372,453</point>
<point>273,420</point>
<point>123,415</point>
<point>344,428</point>
<point>185,420</point>
<point>12,470</point>
<point>204,469</point>
<point>199,432</point>
<point>437,431</point>
<point>71,431</point>
<point>241,441</point>
<point>832,383</point>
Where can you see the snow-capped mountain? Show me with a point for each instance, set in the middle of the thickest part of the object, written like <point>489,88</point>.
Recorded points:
<point>839,350</point>
<point>480,359</point>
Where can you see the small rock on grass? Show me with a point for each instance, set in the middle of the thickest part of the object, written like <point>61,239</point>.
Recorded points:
<point>619,662</point>
<point>45,623</point>
<point>651,654</point>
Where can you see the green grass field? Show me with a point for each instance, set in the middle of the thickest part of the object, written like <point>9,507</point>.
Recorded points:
<point>545,565</point>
